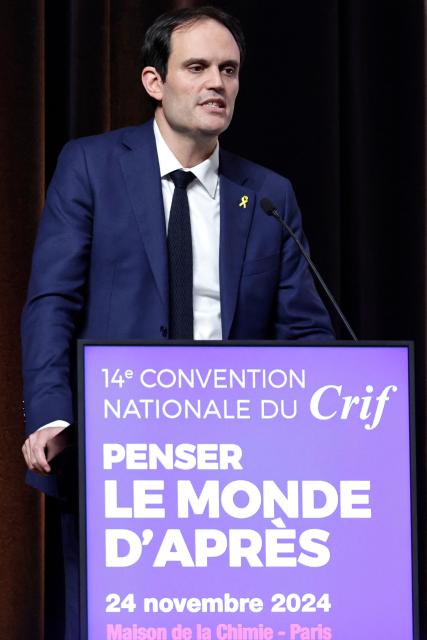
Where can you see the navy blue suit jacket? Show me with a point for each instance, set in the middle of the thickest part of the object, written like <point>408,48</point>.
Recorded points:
<point>100,262</point>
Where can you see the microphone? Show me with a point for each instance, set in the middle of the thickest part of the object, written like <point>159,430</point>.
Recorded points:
<point>271,210</point>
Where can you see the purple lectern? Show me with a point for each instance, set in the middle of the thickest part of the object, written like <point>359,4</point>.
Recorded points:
<point>247,491</point>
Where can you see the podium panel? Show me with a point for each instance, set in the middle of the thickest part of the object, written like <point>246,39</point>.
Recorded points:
<point>236,491</point>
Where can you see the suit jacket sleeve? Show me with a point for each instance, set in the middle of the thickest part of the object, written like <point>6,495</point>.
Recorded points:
<point>57,292</point>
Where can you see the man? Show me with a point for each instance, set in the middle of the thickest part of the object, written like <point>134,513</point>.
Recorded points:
<point>105,260</point>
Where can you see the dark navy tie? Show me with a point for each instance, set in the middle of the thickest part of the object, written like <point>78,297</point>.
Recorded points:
<point>180,255</point>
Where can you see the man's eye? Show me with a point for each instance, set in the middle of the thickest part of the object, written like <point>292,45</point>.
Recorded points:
<point>196,68</point>
<point>230,71</point>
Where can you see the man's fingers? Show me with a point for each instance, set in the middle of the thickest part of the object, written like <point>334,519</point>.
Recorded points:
<point>34,449</point>
<point>36,458</point>
<point>26,453</point>
<point>39,457</point>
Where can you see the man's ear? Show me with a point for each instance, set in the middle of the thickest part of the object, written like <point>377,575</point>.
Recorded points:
<point>153,84</point>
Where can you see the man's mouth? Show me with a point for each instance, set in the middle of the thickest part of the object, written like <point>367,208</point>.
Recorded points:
<point>214,105</point>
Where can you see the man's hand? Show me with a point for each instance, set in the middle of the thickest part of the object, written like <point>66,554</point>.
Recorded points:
<point>41,446</point>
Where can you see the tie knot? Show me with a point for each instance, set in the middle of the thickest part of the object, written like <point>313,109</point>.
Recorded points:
<point>181,179</point>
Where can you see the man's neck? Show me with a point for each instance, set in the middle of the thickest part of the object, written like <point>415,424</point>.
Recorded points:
<point>190,151</point>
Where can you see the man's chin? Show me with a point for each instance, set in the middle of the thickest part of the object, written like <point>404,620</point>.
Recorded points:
<point>213,129</point>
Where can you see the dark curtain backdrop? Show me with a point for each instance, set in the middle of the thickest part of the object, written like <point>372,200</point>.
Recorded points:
<point>21,194</point>
<point>332,96</point>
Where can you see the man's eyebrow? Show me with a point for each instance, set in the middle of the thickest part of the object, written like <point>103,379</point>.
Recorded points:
<point>206,63</point>
<point>230,63</point>
<point>195,61</point>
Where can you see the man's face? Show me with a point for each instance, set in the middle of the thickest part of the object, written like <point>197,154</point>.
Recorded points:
<point>202,79</point>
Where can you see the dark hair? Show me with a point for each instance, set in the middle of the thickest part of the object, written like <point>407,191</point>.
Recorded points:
<point>156,48</point>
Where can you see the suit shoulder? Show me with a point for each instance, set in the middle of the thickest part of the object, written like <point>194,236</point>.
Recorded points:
<point>107,139</point>
<point>97,152</point>
<point>107,144</point>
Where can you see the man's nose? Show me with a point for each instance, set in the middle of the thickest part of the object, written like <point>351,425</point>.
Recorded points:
<point>215,79</point>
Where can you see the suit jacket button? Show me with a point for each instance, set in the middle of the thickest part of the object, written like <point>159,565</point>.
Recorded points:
<point>164,331</point>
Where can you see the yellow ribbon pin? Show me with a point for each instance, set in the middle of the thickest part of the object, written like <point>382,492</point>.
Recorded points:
<point>244,201</point>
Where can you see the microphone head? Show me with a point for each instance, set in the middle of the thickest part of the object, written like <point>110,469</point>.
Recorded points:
<point>268,206</point>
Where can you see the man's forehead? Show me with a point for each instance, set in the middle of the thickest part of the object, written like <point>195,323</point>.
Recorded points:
<point>201,34</point>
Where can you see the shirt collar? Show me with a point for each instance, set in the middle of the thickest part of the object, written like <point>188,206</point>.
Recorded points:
<point>206,172</point>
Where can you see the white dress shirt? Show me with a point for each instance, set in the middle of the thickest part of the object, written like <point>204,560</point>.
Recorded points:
<point>203,201</point>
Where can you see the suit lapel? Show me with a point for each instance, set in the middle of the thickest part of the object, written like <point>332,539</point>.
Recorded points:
<point>142,175</point>
<point>236,210</point>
